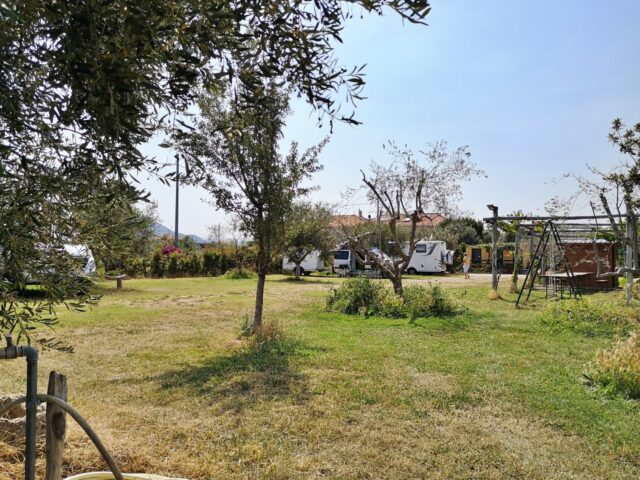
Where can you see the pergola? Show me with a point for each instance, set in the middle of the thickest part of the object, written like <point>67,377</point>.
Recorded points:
<point>548,238</point>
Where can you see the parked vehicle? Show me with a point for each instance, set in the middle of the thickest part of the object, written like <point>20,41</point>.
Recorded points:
<point>430,256</point>
<point>344,262</point>
<point>313,262</point>
<point>81,254</point>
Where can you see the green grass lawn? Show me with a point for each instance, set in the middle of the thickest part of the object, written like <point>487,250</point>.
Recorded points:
<point>161,374</point>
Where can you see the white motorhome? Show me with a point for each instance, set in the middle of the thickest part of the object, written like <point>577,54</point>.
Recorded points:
<point>430,257</point>
<point>313,262</point>
<point>81,254</point>
<point>344,261</point>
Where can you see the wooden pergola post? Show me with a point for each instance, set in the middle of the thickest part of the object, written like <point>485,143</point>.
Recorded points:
<point>516,259</point>
<point>494,247</point>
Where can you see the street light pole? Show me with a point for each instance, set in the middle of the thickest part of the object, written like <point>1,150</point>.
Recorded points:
<point>176,240</point>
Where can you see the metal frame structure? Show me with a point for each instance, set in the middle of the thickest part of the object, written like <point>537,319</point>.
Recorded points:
<point>543,232</point>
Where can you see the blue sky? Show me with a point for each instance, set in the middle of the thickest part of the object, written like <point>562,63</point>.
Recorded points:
<point>530,87</point>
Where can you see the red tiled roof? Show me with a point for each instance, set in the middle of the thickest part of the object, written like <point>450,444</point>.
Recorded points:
<point>426,220</point>
<point>338,221</point>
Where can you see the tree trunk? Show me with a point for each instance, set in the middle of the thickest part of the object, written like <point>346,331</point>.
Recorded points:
<point>397,284</point>
<point>628,258</point>
<point>257,316</point>
<point>296,271</point>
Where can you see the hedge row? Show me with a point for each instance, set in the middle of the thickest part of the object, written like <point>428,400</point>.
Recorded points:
<point>207,262</point>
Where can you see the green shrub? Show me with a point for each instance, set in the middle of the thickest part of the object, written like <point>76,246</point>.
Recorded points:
<point>589,316</point>
<point>210,263</point>
<point>391,305</point>
<point>135,267</point>
<point>429,301</point>
<point>617,370</point>
<point>367,297</point>
<point>190,264</point>
<point>173,267</point>
<point>236,274</point>
<point>356,295</point>
<point>158,265</point>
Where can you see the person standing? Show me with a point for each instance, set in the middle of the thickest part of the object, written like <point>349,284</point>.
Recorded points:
<point>466,265</point>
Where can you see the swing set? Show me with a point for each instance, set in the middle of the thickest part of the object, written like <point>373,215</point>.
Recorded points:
<point>565,254</point>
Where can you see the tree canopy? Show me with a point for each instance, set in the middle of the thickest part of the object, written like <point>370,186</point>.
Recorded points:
<point>307,229</point>
<point>412,184</point>
<point>84,83</point>
<point>236,158</point>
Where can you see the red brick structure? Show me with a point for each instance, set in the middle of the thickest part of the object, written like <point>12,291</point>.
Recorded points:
<point>582,258</point>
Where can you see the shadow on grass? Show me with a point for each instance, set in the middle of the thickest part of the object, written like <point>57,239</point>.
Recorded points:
<point>255,372</point>
<point>302,281</point>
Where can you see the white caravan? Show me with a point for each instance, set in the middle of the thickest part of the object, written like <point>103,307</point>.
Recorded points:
<point>430,257</point>
<point>313,262</point>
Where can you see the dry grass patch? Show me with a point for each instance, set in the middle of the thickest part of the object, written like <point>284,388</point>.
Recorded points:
<point>172,390</point>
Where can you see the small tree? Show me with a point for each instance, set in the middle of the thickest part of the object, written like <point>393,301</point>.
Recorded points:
<point>216,233</point>
<point>413,184</point>
<point>615,191</point>
<point>307,230</point>
<point>236,159</point>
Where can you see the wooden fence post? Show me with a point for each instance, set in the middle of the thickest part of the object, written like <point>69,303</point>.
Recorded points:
<point>56,427</point>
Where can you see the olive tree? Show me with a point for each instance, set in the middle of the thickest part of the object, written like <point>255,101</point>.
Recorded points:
<point>235,155</point>
<point>83,84</point>
<point>307,230</point>
<point>412,184</point>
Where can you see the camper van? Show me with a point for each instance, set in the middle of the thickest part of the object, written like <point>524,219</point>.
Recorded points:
<point>313,262</point>
<point>430,257</point>
<point>344,261</point>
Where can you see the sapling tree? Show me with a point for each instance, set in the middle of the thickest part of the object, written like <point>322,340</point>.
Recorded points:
<point>414,183</point>
<point>307,230</point>
<point>236,158</point>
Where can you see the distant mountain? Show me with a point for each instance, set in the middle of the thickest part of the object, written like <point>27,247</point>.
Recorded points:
<point>161,231</point>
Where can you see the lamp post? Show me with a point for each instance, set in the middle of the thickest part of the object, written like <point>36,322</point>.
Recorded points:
<point>176,240</point>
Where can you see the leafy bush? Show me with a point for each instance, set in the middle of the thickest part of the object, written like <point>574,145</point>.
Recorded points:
<point>391,304</point>
<point>356,295</point>
<point>367,297</point>
<point>158,265</point>
<point>617,370</point>
<point>237,274</point>
<point>136,267</point>
<point>590,316</point>
<point>172,264</point>
<point>211,264</point>
<point>429,301</point>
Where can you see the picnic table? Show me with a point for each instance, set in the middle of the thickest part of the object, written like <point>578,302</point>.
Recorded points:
<point>562,281</point>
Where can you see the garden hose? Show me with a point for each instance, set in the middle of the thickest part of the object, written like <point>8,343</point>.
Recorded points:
<point>79,419</point>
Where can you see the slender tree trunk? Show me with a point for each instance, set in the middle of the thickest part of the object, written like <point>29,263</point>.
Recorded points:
<point>257,316</point>
<point>296,271</point>
<point>628,258</point>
